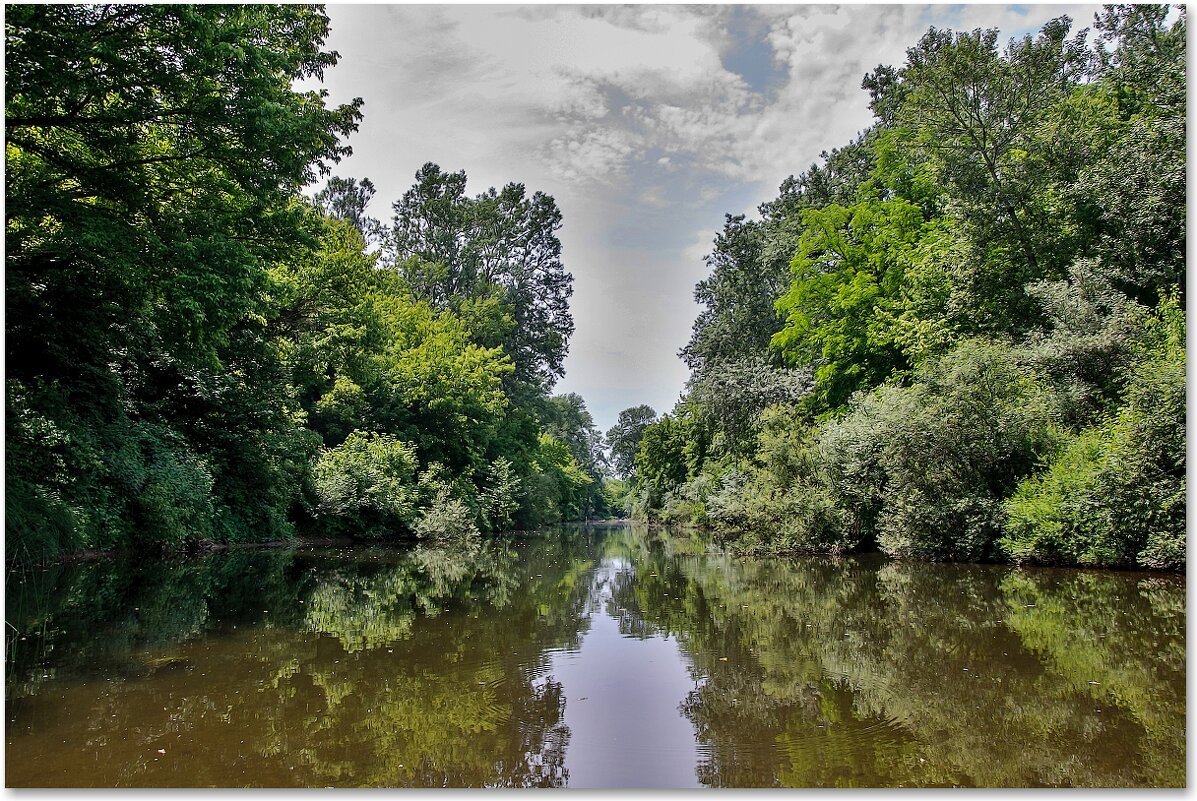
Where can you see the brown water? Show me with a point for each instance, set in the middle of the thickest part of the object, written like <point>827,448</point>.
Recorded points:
<point>614,658</point>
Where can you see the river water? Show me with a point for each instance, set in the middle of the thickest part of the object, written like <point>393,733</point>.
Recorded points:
<point>610,657</point>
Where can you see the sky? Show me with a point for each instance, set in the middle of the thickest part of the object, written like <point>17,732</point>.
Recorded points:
<point>646,123</point>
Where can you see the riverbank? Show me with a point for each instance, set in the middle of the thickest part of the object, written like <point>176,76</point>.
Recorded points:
<point>757,547</point>
<point>201,547</point>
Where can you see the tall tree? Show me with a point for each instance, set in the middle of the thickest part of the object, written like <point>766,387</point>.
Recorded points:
<point>153,156</point>
<point>624,437</point>
<point>567,420</point>
<point>848,269</point>
<point>980,115</point>
<point>499,245</point>
<point>347,199</point>
<point>1140,185</point>
<point>749,261</point>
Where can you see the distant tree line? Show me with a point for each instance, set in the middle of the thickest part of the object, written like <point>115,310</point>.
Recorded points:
<point>960,336</point>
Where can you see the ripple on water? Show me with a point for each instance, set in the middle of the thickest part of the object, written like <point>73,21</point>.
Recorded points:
<point>841,745</point>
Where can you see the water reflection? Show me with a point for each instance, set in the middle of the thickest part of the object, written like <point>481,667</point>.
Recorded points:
<point>617,658</point>
<point>364,668</point>
<point>623,693</point>
<point>871,673</point>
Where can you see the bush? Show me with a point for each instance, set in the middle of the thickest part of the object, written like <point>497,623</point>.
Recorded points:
<point>954,447</point>
<point>175,503</point>
<point>1116,495</point>
<point>447,518</point>
<point>367,485</point>
<point>1086,354</point>
<point>498,500</point>
<point>783,502</point>
<point>556,485</point>
<point>38,526</point>
<point>1055,517</point>
<point>687,504</point>
<point>75,481</point>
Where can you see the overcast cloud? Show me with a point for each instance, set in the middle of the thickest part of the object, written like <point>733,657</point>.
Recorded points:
<point>646,123</point>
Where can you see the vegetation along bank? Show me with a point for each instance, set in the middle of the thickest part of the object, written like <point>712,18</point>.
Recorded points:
<point>959,336</point>
<point>198,352</point>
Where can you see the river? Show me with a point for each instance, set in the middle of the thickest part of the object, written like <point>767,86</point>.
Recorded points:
<point>608,657</point>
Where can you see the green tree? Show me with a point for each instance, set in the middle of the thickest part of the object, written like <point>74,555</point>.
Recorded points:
<point>153,155</point>
<point>749,261</point>
<point>1138,184</point>
<point>848,270</point>
<point>557,487</point>
<point>363,354</point>
<point>979,115</point>
<point>567,420</point>
<point>347,199</point>
<point>623,438</point>
<point>672,450</point>
<point>501,245</point>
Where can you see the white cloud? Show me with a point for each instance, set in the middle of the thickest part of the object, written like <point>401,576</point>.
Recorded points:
<point>700,245</point>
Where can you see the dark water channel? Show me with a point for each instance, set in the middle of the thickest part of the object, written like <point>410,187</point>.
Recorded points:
<point>614,658</point>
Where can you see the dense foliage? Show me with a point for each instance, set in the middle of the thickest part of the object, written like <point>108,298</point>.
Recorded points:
<point>961,336</point>
<point>197,351</point>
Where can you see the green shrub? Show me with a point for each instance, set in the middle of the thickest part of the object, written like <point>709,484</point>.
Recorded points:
<point>850,450</point>
<point>174,505</point>
<point>556,485</point>
<point>498,499</point>
<point>367,485</point>
<point>447,518</point>
<point>783,502</point>
<point>954,447</point>
<point>38,525</point>
<point>1085,355</point>
<point>1116,495</point>
<point>686,505</point>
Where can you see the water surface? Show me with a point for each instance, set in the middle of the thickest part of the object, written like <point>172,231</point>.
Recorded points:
<point>607,658</point>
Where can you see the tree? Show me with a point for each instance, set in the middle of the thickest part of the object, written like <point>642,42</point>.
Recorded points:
<point>501,245</point>
<point>737,297</point>
<point>557,487</point>
<point>346,199</point>
<point>1139,184</point>
<point>730,395</point>
<point>153,157</point>
<point>624,437</point>
<point>672,450</point>
<point>984,119</point>
<point>143,136</point>
<point>849,267</point>
<point>567,420</point>
<point>749,262</point>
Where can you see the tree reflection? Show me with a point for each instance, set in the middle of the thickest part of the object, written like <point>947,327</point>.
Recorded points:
<point>424,667</point>
<point>861,672</point>
<point>431,667</point>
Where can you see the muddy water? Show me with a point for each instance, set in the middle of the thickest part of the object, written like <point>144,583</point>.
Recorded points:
<point>613,658</point>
